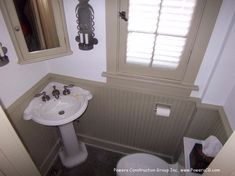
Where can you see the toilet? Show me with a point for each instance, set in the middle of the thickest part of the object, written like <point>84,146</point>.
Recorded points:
<point>142,164</point>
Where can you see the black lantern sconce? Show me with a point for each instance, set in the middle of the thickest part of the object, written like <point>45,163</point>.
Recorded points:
<point>85,20</point>
<point>3,57</point>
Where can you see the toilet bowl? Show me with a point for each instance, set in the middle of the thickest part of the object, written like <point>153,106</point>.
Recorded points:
<point>142,164</point>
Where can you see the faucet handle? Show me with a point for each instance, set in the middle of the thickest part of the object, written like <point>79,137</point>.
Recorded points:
<point>45,97</point>
<point>66,91</point>
<point>40,94</point>
<point>56,92</point>
<point>69,86</point>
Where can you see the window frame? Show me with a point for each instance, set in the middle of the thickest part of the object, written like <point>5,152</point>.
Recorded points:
<point>117,76</point>
<point>175,74</point>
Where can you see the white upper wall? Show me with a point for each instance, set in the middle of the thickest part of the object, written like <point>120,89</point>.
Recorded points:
<point>83,64</point>
<point>229,63</point>
<point>216,75</point>
<point>223,79</point>
<point>229,108</point>
<point>16,79</point>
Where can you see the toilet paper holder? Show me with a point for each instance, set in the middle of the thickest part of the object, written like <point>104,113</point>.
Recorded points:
<point>162,110</point>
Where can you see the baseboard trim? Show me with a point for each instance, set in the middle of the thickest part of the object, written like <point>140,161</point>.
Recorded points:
<point>119,148</point>
<point>50,159</point>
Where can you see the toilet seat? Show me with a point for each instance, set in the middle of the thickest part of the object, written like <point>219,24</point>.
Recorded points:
<point>150,165</point>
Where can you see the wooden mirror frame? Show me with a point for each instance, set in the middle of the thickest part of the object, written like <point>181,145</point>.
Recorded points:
<point>24,56</point>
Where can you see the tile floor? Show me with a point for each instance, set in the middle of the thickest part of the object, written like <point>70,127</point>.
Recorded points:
<point>99,162</point>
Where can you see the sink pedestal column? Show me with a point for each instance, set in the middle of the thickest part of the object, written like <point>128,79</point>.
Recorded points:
<point>73,152</point>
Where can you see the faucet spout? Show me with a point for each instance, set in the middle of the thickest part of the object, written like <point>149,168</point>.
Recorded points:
<point>56,92</point>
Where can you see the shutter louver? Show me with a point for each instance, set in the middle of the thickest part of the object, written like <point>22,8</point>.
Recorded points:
<point>158,31</point>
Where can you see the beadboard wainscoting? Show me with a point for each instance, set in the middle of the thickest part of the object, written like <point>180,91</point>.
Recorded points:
<point>128,118</point>
<point>208,122</point>
<point>121,119</point>
<point>124,119</point>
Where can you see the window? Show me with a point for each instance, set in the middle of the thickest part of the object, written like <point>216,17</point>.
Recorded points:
<point>158,33</point>
<point>162,40</point>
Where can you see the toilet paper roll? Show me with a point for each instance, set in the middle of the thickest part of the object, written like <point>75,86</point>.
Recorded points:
<point>163,110</point>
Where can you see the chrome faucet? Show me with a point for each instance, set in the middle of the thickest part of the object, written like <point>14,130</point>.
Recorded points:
<point>45,97</point>
<point>56,92</point>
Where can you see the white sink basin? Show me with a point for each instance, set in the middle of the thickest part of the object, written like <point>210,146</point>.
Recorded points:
<point>60,111</point>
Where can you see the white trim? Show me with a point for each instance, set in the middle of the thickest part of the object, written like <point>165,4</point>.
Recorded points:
<point>153,80</point>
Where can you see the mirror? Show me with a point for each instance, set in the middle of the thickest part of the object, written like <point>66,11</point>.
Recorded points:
<point>37,24</point>
<point>37,28</point>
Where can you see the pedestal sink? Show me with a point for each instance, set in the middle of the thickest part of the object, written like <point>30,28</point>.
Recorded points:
<point>62,112</point>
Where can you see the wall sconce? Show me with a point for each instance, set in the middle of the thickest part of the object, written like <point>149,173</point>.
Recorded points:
<point>3,57</point>
<point>85,20</point>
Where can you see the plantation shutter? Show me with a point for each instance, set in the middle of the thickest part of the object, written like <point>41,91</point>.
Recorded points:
<point>158,33</point>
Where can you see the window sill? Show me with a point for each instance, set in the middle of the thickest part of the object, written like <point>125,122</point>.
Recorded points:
<point>150,84</point>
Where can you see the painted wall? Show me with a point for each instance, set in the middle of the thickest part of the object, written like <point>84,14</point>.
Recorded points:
<point>229,108</point>
<point>16,79</point>
<point>83,64</point>
<point>90,64</point>
<point>222,81</point>
<point>215,77</point>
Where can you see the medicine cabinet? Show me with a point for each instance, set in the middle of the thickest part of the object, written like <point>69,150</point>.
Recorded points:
<point>37,28</point>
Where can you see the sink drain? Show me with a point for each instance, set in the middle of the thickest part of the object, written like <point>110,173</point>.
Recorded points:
<point>61,112</point>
